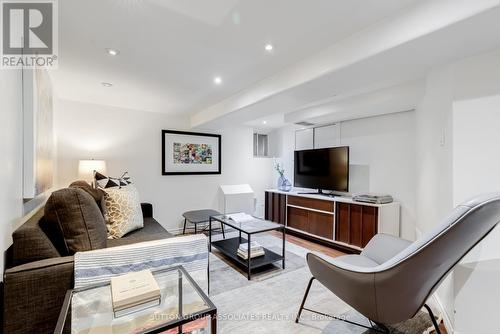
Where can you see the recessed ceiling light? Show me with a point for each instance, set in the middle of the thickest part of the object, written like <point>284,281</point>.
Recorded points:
<point>112,52</point>
<point>217,80</point>
<point>106,84</point>
<point>269,47</point>
<point>264,122</point>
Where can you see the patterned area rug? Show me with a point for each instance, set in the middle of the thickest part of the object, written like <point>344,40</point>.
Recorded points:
<point>270,301</point>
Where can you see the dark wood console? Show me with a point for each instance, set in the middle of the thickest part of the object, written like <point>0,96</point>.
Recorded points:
<point>338,221</point>
<point>356,224</point>
<point>275,207</point>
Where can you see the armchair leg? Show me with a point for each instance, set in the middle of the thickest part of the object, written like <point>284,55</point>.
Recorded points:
<point>434,322</point>
<point>381,329</point>
<point>304,300</point>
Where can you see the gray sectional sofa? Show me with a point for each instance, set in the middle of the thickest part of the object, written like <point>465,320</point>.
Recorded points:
<point>40,267</point>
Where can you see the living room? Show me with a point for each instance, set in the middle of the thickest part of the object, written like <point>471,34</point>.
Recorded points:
<point>209,111</point>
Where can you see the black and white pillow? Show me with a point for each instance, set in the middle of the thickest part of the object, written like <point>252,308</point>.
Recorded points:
<point>104,182</point>
<point>121,205</point>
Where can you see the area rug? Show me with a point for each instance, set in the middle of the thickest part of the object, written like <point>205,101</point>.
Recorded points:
<point>270,301</point>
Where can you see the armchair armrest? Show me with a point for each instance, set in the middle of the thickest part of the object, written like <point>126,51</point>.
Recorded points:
<point>34,293</point>
<point>147,210</point>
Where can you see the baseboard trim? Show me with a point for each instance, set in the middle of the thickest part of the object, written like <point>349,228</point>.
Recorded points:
<point>176,231</point>
<point>446,318</point>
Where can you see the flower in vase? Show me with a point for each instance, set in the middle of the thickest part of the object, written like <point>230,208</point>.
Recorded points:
<point>279,168</point>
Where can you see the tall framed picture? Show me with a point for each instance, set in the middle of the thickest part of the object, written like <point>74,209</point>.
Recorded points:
<point>188,153</point>
<point>38,132</point>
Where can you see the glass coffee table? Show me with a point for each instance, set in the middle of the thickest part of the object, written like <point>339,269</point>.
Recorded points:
<point>184,308</point>
<point>229,246</point>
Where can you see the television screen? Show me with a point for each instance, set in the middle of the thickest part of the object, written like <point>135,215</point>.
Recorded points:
<point>323,169</point>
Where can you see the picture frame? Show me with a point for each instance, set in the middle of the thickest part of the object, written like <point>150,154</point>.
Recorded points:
<point>191,153</point>
<point>38,133</point>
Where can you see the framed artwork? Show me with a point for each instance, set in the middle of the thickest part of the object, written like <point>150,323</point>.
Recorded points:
<point>38,150</point>
<point>189,153</point>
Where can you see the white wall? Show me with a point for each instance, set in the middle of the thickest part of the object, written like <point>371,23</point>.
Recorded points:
<point>476,147</point>
<point>130,141</point>
<point>434,185</point>
<point>476,162</point>
<point>382,152</point>
<point>11,145</point>
<point>382,156</point>
<point>438,191</point>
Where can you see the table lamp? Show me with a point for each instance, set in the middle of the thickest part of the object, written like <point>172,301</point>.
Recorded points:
<point>86,169</point>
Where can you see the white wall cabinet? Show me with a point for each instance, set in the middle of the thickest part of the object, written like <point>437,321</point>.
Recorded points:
<point>319,137</point>
<point>304,139</point>
<point>327,136</point>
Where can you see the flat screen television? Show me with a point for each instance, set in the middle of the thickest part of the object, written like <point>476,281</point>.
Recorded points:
<point>322,169</point>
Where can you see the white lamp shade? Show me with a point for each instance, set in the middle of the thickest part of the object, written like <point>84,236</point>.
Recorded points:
<point>86,168</point>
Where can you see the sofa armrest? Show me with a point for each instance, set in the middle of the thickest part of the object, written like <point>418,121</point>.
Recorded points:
<point>34,293</point>
<point>147,210</point>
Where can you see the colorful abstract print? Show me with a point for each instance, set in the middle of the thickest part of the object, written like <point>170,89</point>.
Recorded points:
<point>185,153</point>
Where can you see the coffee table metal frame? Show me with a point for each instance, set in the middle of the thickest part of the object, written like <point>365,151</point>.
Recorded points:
<point>229,247</point>
<point>210,311</point>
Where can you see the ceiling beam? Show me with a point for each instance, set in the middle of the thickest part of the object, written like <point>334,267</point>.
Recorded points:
<point>422,19</point>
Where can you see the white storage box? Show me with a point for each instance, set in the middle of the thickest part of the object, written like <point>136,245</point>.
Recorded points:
<point>237,198</point>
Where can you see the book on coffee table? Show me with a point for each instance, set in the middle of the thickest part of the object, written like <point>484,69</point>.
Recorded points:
<point>256,250</point>
<point>254,246</point>
<point>241,217</point>
<point>244,255</point>
<point>134,292</point>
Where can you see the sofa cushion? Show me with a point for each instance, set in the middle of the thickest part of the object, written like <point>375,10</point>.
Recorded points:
<point>152,230</point>
<point>74,215</point>
<point>96,193</point>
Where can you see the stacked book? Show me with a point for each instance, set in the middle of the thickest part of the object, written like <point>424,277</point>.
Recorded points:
<point>373,198</point>
<point>134,292</point>
<point>256,250</point>
<point>241,217</point>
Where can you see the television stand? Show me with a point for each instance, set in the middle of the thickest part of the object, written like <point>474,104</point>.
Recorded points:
<point>336,221</point>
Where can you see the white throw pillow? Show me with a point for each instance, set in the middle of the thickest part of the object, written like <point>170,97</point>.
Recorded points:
<point>122,210</point>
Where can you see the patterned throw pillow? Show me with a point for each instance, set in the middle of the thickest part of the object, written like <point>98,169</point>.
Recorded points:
<point>122,207</point>
<point>104,182</point>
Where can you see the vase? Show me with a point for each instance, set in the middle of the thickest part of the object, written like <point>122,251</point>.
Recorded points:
<point>284,184</point>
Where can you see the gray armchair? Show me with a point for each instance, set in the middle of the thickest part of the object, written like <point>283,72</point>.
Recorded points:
<point>391,280</point>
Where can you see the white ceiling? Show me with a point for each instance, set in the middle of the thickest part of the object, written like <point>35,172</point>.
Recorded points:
<point>396,50</point>
<point>170,50</point>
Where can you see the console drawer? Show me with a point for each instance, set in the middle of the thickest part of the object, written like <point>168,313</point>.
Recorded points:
<point>313,222</point>
<point>311,203</point>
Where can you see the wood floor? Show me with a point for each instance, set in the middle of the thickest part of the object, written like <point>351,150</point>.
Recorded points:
<point>312,246</point>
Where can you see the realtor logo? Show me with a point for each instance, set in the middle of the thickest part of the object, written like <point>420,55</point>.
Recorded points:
<point>29,34</point>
